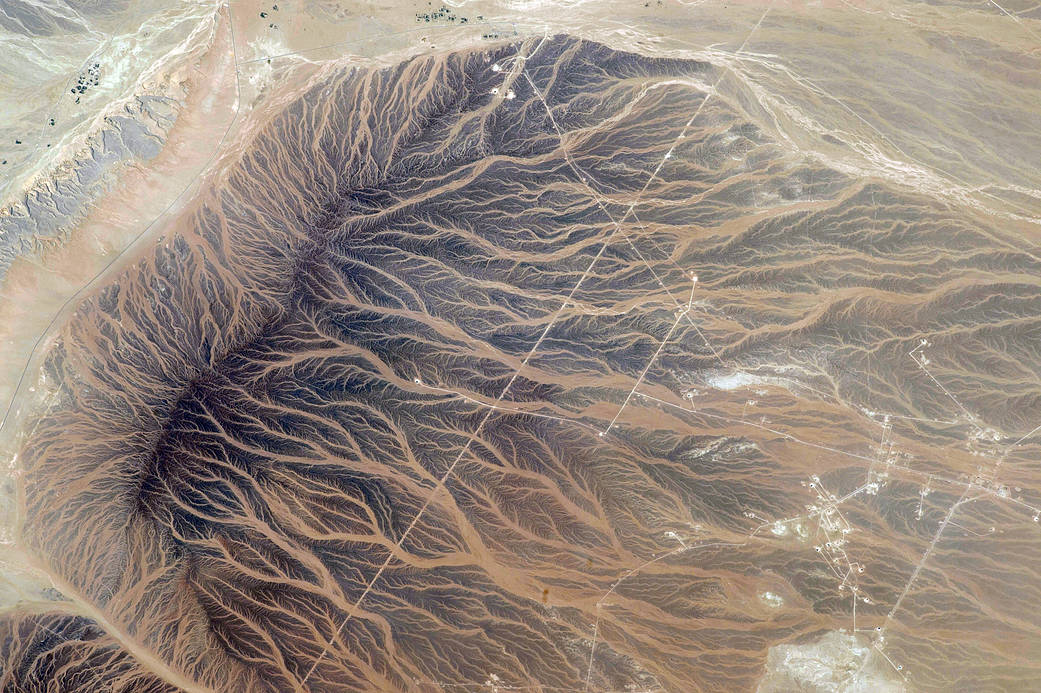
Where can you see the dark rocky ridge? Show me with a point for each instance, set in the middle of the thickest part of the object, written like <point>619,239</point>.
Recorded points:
<point>51,208</point>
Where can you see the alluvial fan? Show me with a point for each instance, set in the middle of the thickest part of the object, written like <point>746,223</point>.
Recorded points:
<point>540,367</point>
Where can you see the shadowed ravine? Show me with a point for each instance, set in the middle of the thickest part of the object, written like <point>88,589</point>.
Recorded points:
<point>539,367</point>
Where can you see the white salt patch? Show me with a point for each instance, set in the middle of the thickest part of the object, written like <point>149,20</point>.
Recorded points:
<point>772,600</point>
<point>829,664</point>
<point>733,381</point>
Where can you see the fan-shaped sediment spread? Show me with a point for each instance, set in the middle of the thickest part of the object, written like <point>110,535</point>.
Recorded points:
<point>434,388</point>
